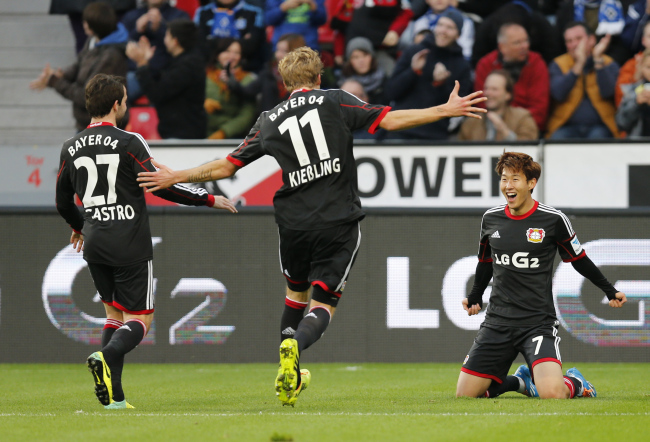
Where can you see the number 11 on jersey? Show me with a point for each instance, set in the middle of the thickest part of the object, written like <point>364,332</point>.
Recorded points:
<point>311,118</point>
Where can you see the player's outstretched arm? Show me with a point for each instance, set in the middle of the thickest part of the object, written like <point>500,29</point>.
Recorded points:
<point>456,106</point>
<point>165,177</point>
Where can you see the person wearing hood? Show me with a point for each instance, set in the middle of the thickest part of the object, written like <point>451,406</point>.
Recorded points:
<point>425,75</point>
<point>103,53</point>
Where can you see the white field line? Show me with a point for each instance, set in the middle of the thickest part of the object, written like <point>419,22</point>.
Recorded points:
<point>131,414</point>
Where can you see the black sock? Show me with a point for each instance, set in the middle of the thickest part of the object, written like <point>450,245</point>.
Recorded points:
<point>109,328</point>
<point>511,383</point>
<point>311,328</point>
<point>291,317</point>
<point>124,339</point>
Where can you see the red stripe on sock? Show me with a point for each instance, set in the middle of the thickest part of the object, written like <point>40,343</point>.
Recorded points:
<point>113,323</point>
<point>572,388</point>
<point>143,326</point>
<point>295,304</point>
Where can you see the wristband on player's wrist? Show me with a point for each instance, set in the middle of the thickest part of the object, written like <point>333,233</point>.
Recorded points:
<point>211,200</point>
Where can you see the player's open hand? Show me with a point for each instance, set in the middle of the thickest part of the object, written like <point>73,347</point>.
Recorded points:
<point>473,310</point>
<point>161,179</point>
<point>619,301</point>
<point>77,241</point>
<point>458,106</point>
<point>221,202</point>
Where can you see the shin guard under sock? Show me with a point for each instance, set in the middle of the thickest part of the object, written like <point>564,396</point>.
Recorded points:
<point>291,317</point>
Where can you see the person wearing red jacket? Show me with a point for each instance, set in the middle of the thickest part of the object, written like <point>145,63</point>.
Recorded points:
<point>527,68</point>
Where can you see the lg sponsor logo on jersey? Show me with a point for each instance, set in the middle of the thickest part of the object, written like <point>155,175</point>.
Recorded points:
<point>567,292</point>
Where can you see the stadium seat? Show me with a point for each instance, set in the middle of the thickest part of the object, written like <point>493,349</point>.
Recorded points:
<point>144,120</point>
<point>188,6</point>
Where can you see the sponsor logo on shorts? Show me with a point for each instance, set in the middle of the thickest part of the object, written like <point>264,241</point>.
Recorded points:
<point>466,358</point>
<point>535,235</point>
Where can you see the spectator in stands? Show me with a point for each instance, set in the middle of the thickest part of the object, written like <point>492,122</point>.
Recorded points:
<point>150,21</point>
<point>527,69</point>
<point>540,32</point>
<point>427,16</point>
<point>502,122</point>
<point>601,17</point>
<point>633,115</point>
<point>268,86</point>
<point>74,9</point>
<point>103,53</point>
<point>233,19</point>
<point>229,115</point>
<point>302,17</point>
<point>631,72</point>
<point>638,14</point>
<point>425,75</point>
<point>355,88</point>
<point>582,87</point>
<point>177,92</point>
<point>382,22</point>
<point>362,67</point>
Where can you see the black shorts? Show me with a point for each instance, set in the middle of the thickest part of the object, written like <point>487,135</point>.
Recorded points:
<point>496,347</point>
<point>128,288</point>
<point>319,257</point>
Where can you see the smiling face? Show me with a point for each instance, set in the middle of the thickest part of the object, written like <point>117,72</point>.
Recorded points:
<point>495,92</point>
<point>517,191</point>
<point>446,32</point>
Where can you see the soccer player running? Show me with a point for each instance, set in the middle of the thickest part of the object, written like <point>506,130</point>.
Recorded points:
<point>517,246</point>
<point>100,164</point>
<point>317,208</point>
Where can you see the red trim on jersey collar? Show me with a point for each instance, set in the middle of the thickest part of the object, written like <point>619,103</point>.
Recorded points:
<point>300,90</point>
<point>525,215</point>
<point>100,123</point>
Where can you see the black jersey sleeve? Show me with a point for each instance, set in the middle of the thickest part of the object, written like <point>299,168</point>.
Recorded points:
<point>251,148</point>
<point>482,278</point>
<point>65,197</point>
<point>360,115</point>
<point>484,249</point>
<point>138,150</point>
<point>588,269</point>
<point>567,241</point>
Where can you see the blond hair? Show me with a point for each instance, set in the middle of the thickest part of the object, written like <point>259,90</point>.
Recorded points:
<point>300,68</point>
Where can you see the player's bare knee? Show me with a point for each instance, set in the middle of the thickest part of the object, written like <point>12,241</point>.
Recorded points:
<point>554,392</point>
<point>298,295</point>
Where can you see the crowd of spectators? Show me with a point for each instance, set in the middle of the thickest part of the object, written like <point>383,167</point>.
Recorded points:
<point>549,68</point>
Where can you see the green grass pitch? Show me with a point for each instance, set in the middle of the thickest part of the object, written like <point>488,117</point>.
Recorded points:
<point>345,402</point>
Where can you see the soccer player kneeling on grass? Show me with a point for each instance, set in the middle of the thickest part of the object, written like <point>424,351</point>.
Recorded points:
<point>517,246</point>
<point>100,164</point>
<point>317,208</point>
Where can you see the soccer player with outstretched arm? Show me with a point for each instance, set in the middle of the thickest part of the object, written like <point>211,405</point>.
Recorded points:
<point>317,208</point>
<point>100,164</point>
<point>518,243</point>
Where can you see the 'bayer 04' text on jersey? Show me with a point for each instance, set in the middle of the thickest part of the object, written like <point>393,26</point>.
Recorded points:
<point>310,136</point>
<point>522,250</point>
<point>101,164</point>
